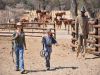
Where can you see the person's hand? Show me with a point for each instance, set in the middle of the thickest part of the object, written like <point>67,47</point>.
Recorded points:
<point>25,48</point>
<point>57,44</point>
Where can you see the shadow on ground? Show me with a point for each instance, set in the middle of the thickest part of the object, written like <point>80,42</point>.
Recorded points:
<point>93,57</point>
<point>54,69</point>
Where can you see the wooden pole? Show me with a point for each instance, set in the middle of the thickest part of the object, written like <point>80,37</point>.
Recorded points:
<point>73,35</point>
<point>55,30</point>
<point>97,40</point>
<point>77,31</point>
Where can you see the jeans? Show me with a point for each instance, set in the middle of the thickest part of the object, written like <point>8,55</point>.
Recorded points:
<point>48,51</point>
<point>19,51</point>
<point>47,58</point>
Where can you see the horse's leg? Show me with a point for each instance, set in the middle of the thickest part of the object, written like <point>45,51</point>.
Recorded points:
<point>65,26</point>
<point>45,25</point>
<point>68,28</point>
<point>60,26</point>
<point>72,27</point>
<point>57,26</point>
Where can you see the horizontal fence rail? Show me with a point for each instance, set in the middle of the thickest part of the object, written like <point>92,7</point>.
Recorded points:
<point>31,30</point>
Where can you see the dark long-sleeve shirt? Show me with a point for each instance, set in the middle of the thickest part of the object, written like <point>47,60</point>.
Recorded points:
<point>19,39</point>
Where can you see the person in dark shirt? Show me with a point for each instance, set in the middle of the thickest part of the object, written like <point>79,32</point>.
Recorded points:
<point>82,20</point>
<point>47,42</point>
<point>19,44</point>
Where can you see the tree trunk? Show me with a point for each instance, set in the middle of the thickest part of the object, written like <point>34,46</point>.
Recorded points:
<point>59,5</point>
<point>2,5</point>
<point>74,8</point>
<point>89,8</point>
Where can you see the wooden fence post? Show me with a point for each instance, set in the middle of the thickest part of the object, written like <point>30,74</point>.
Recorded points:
<point>54,30</point>
<point>73,35</point>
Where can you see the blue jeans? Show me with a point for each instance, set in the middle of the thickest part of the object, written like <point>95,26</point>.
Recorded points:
<point>19,51</point>
<point>47,59</point>
<point>48,51</point>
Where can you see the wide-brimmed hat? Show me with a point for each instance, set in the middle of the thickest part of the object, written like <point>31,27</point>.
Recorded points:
<point>83,10</point>
<point>49,30</point>
<point>18,24</point>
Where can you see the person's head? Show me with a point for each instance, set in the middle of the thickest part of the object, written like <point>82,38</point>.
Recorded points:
<point>49,32</point>
<point>83,11</point>
<point>19,26</point>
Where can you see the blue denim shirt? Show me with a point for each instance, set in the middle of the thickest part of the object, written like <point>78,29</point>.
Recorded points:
<point>47,41</point>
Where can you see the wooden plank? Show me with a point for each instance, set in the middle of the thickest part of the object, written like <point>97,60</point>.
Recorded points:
<point>97,45</point>
<point>37,28</point>
<point>25,35</point>
<point>73,31</point>
<point>8,24</point>
<point>38,23</point>
<point>12,28</point>
<point>96,26</point>
<point>74,39</point>
<point>91,41</point>
<point>73,45</point>
<point>25,32</point>
<point>34,28</point>
<point>93,49</point>
<point>91,33</point>
<point>96,36</point>
<point>37,32</point>
<point>29,28</point>
<point>28,23</point>
<point>6,32</point>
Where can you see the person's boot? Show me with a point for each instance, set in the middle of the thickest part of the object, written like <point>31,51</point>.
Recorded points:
<point>17,69</point>
<point>23,72</point>
<point>48,68</point>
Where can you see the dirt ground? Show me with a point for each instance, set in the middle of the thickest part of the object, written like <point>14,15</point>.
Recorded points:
<point>63,60</point>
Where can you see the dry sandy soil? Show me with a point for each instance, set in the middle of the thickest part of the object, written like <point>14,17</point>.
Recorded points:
<point>63,60</point>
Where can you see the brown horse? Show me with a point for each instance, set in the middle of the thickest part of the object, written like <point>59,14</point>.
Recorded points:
<point>69,23</point>
<point>60,14</point>
<point>58,23</point>
<point>43,16</point>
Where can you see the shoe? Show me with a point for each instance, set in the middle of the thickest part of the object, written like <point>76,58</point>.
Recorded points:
<point>48,68</point>
<point>23,72</point>
<point>17,69</point>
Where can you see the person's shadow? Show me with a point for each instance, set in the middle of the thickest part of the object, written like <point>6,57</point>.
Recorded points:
<point>96,55</point>
<point>53,69</point>
<point>93,57</point>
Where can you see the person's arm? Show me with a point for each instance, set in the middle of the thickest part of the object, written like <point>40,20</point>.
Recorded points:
<point>43,40</point>
<point>24,42</point>
<point>15,35</point>
<point>54,41</point>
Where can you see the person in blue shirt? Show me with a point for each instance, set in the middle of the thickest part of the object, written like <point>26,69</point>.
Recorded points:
<point>19,44</point>
<point>47,42</point>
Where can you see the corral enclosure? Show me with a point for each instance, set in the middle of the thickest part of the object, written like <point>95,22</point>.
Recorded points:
<point>64,60</point>
<point>7,15</point>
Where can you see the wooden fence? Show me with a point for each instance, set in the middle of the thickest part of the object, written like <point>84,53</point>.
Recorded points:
<point>30,29</point>
<point>94,43</point>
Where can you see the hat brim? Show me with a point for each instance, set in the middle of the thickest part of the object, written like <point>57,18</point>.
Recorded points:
<point>83,11</point>
<point>18,25</point>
